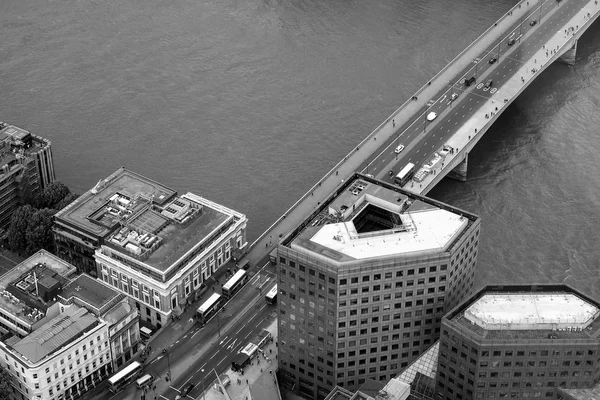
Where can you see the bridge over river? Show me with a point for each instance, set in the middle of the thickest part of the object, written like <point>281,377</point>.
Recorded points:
<point>504,60</point>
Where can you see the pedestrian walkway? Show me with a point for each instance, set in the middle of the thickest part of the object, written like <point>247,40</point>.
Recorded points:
<point>258,380</point>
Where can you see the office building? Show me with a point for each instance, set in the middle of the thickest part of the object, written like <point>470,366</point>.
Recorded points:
<point>26,168</point>
<point>364,282</point>
<point>148,242</point>
<point>61,359</point>
<point>522,341</point>
<point>29,290</point>
<point>373,390</point>
<point>113,308</point>
<point>166,227</point>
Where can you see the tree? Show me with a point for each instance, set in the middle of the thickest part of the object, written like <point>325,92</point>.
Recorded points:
<point>53,193</point>
<point>39,231</point>
<point>71,197</point>
<point>17,230</point>
<point>5,387</point>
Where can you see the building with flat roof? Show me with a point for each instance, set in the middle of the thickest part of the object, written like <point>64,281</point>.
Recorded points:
<point>112,307</point>
<point>148,242</point>
<point>519,341</point>
<point>81,227</point>
<point>26,168</point>
<point>29,289</point>
<point>60,359</point>
<point>364,282</point>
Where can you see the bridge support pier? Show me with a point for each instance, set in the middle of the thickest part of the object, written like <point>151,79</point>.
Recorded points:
<point>568,56</point>
<point>459,172</point>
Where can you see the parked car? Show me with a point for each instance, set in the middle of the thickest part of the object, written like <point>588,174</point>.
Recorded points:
<point>399,149</point>
<point>493,59</point>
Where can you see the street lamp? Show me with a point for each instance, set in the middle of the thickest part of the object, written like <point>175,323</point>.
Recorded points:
<point>203,395</point>
<point>168,363</point>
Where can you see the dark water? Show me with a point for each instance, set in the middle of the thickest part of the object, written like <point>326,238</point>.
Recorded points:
<point>249,102</point>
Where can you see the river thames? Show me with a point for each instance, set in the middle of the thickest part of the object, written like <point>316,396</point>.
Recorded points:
<point>249,103</point>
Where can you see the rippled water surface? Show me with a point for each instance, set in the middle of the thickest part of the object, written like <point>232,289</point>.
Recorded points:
<point>249,102</point>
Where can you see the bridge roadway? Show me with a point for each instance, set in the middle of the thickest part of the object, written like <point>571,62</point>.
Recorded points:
<point>407,125</point>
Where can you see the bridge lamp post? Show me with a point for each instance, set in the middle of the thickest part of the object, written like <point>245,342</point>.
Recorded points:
<point>168,363</point>
<point>476,61</point>
<point>520,30</point>
<point>203,395</point>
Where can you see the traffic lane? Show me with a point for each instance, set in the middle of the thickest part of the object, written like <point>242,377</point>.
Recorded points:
<point>379,164</point>
<point>221,353</point>
<point>502,72</point>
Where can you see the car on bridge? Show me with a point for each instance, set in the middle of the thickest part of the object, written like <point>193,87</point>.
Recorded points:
<point>511,41</point>
<point>470,81</point>
<point>533,22</point>
<point>493,59</point>
<point>430,103</point>
<point>489,83</point>
<point>399,149</point>
<point>431,116</point>
<point>453,96</point>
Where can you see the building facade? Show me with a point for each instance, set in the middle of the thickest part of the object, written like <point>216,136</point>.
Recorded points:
<point>61,359</point>
<point>113,308</point>
<point>364,283</point>
<point>26,168</point>
<point>127,200</point>
<point>147,242</point>
<point>522,341</point>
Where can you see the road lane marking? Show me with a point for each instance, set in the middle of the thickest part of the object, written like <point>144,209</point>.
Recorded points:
<point>213,356</point>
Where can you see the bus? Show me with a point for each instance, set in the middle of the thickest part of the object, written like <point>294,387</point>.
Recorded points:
<point>234,284</point>
<point>124,377</point>
<point>271,297</point>
<point>208,308</point>
<point>405,175</point>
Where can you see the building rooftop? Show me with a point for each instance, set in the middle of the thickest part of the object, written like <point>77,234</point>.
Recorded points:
<point>160,237</point>
<point>592,393</point>
<point>16,143</point>
<point>20,287</point>
<point>372,219</point>
<point>90,293</point>
<point>99,210</point>
<point>531,311</point>
<point>55,334</point>
<point>394,389</point>
<point>534,312</point>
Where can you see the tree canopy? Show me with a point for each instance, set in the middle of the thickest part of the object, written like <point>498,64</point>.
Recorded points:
<point>5,378</point>
<point>31,224</point>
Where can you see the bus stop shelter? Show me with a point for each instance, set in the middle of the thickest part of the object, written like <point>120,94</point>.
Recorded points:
<point>240,361</point>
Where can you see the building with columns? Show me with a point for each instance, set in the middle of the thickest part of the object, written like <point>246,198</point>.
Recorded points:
<point>113,308</point>
<point>61,359</point>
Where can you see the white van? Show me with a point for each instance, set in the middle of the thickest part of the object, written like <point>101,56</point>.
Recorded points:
<point>144,381</point>
<point>145,333</point>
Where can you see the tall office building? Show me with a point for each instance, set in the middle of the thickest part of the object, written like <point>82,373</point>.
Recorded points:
<point>364,282</point>
<point>26,168</point>
<point>523,341</point>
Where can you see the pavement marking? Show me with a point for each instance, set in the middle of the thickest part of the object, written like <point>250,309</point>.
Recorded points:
<point>200,369</point>
<point>232,344</point>
<point>197,332</point>
<point>174,388</point>
<point>186,381</point>
<point>164,397</point>
<point>224,358</point>
<point>213,356</point>
<point>224,339</point>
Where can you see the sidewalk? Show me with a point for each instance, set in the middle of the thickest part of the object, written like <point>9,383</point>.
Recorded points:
<point>355,160</point>
<point>467,136</point>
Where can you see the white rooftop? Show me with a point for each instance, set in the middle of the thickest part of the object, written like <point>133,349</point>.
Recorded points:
<point>428,230</point>
<point>531,311</point>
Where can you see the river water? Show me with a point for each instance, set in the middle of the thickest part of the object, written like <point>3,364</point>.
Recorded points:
<point>248,103</point>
